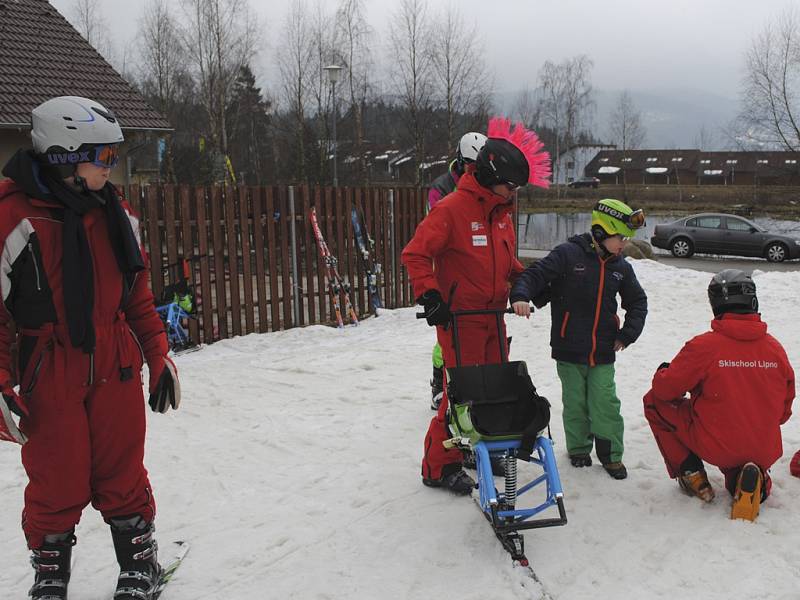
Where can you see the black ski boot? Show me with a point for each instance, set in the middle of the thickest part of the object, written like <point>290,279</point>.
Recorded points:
<point>52,565</point>
<point>437,387</point>
<point>137,557</point>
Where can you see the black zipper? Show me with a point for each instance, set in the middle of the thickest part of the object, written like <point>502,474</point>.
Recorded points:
<point>35,267</point>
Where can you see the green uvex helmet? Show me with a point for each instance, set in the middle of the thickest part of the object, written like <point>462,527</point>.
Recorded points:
<point>614,217</point>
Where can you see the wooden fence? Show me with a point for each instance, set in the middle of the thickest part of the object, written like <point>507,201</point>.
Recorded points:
<point>253,257</point>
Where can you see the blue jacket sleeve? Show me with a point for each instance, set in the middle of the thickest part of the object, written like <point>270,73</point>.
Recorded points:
<point>536,278</point>
<point>634,302</point>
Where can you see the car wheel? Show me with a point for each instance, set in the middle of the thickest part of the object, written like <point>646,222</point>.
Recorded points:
<point>682,247</point>
<point>776,252</point>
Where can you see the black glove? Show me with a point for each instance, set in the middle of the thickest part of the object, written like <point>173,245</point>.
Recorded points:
<point>663,365</point>
<point>165,388</point>
<point>437,311</point>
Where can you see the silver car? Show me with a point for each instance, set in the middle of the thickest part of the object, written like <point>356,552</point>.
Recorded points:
<point>719,233</point>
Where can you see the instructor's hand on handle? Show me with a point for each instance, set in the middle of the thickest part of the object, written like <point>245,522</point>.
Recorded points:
<point>437,311</point>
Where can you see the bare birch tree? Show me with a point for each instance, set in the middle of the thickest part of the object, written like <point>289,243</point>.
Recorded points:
<point>162,70</point>
<point>411,60</point>
<point>322,39</point>
<point>771,94</point>
<point>88,18</point>
<point>354,37</point>
<point>296,59</point>
<point>527,108</point>
<point>163,58</point>
<point>459,68</point>
<point>566,100</point>
<point>220,38</point>
<point>625,127</point>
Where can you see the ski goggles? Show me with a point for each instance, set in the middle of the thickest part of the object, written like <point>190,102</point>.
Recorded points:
<point>635,220</point>
<point>106,155</point>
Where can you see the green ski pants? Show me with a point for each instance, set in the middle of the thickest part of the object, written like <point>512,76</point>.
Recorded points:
<point>591,410</point>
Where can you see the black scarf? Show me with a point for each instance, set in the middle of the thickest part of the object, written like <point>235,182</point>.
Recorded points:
<point>78,278</point>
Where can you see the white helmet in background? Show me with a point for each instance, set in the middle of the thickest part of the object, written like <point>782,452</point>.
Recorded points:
<point>69,129</point>
<point>469,145</point>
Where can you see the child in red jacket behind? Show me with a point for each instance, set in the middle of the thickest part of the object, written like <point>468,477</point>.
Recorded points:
<point>741,388</point>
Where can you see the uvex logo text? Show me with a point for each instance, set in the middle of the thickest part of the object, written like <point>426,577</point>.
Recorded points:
<point>68,158</point>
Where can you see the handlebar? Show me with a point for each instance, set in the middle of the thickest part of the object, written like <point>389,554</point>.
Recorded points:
<point>479,311</point>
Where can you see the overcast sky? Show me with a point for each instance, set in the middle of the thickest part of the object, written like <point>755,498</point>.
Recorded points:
<point>635,44</point>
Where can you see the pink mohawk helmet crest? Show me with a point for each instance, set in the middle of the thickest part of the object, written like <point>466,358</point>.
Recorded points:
<point>527,142</point>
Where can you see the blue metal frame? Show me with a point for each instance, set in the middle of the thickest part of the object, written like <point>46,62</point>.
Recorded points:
<point>172,314</point>
<point>490,499</point>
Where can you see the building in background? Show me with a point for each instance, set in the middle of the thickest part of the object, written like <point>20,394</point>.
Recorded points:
<point>694,167</point>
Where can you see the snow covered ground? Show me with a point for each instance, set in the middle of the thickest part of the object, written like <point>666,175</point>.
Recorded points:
<point>293,469</point>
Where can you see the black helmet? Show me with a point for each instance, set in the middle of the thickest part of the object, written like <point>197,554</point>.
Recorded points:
<point>500,161</point>
<point>733,291</point>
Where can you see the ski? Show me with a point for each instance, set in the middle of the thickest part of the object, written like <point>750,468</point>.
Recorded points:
<point>333,280</point>
<point>514,544</point>
<point>365,249</point>
<point>179,550</point>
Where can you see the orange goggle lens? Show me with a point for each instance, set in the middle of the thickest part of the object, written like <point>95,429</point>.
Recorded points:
<point>636,219</point>
<point>106,156</point>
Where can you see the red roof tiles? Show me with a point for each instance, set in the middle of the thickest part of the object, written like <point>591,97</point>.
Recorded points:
<point>43,56</point>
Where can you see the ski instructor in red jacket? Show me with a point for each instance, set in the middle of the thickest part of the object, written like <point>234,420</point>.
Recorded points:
<point>74,283</point>
<point>741,388</point>
<point>462,257</point>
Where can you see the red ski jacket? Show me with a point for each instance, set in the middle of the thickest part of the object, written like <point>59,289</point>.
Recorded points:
<point>465,248</point>
<point>741,386</point>
<point>31,281</point>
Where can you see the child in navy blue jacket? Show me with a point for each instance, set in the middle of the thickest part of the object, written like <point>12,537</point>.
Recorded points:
<point>582,278</point>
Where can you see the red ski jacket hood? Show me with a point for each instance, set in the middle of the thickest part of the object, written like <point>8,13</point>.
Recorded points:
<point>465,248</point>
<point>741,389</point>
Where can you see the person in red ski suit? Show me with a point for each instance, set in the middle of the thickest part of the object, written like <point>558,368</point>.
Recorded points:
<point>468,147</point>
<point>75,288</point>
<point>463,256</point>
<point>741,388</point>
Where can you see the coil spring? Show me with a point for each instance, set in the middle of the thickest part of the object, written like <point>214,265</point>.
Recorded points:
<point>511,479</point>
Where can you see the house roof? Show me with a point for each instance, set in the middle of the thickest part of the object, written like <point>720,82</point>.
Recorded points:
<point>762,163</point>
<point>43,56</point>
<point>644,159</point>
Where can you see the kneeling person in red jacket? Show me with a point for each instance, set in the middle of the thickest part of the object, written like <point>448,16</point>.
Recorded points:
<point>74,280</point>
<point>741,388</point>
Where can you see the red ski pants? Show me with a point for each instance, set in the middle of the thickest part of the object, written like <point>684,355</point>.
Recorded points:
<point>479,345</point>
<point>86,440</point>
<point>671,424</point>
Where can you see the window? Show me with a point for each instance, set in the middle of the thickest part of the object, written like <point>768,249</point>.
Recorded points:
<point>731,161</point>
<point>709,222</point>
<point>791,161</point>
<point>677,159</point>
<point>627,159</point>
<point>571,165</point>
<point>652,159</point>
<point>762,161</point>
<point>705,161</point>
<point>604,160</point>
<point>691,223</point>
<point>738,225</point>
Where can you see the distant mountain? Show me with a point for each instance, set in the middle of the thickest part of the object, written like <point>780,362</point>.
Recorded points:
<point>673,118</point>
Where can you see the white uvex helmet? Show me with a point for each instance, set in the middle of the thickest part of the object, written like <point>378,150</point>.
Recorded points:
<point>66,127</point>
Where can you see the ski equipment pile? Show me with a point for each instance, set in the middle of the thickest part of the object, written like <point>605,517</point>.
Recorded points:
<point>336,285</point>
<point>366,247</point>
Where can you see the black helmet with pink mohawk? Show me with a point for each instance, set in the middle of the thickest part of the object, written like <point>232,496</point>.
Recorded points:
<point>512,155</point>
